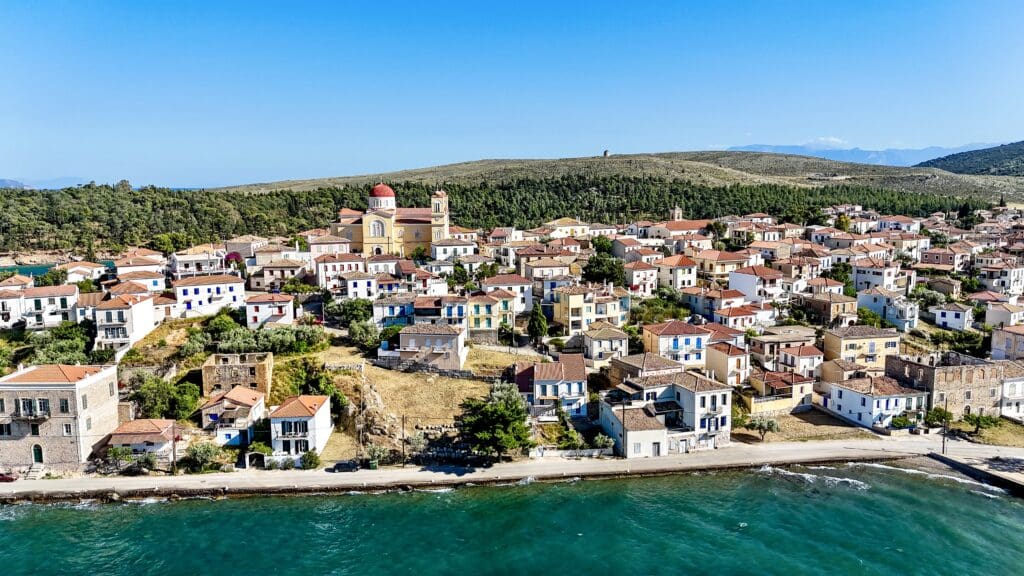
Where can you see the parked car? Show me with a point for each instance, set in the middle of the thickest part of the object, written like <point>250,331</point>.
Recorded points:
<point>345,466</point>
<point>8,478</point>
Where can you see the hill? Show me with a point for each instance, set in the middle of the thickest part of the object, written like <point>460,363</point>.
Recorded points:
<point>8,183</point>
<point>712,169</point>
<point>887,157</point>
<point>1005,160</point>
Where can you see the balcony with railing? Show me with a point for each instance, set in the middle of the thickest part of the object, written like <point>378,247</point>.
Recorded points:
<point>35,415</point>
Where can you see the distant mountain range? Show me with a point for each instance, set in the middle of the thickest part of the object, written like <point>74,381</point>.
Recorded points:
<point>1005,160</point>
<point>43,184</point>
<point>888,157</point>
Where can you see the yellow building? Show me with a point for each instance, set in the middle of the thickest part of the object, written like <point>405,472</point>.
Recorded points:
<point>577,307</point>
<point>488,311</point>
<point>387,229</point>
<point>864,345</point>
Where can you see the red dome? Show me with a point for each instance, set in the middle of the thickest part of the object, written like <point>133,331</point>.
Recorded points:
<point>382,191</point>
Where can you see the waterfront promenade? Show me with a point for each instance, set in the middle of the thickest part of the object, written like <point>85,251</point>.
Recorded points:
<point>251,482</point>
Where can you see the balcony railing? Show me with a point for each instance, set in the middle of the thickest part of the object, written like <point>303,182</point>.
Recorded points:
<point>34,415</point>
<point>295,434</point>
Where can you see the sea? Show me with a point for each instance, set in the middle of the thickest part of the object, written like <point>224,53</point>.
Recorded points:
<point>844,519</point>
<point>40,269</point>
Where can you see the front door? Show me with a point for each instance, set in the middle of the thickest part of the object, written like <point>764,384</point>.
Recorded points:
<point>656,449</point>
<point>37,454</point>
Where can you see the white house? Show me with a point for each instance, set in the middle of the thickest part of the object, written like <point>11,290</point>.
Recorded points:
<point>300,424</point>
<point>138,264</point>
<point>803,360</point>
<point>331,267</point>
<point>145,436</point>
<point>121,321</point>
<point>679,341</point>
<point>47,306</point>
<point>269,309</point>
<point>232,415</point>
<point>327,244</point>
<point>548,385</point>
<point>874,401</point>
<point>602,342</point>
<point>451,249</point>
<point>12,308</point>
<point>1003,314</point>
<point>516,284</point>
<point>677,272</point>
<point>1012,400</point>
<point>953,316</point>
<point>79,271</point>
<point>205,295</point>
<point>154,282</point>
<point>758,283</point>
<point>359,285</point>
<point>199,260</point>
<point>641,278</point>
<point>675,413</point>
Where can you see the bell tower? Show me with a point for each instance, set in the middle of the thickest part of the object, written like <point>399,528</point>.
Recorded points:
<point>439,215</point>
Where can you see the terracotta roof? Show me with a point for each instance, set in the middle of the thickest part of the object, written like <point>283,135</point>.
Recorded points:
<point>51,291</point>
<point>863,332</point>
<point>136,261</point>
<point>728,349</point>
<point>144,426</point>
<point>11,294</point>
<point>877,386</point>
<point>638,419</point>
<point>439,329</point>
<point>328,258</point>
<point>382,191</point>
<point>140,275</point>
<point>505,280</point>
<point>16,280</point>
<point>51,374</point>
<point>209,280</point>
<point>300,407</point>
<point>269,299</point>
<point>760,272</point>
<point>240,395</point>
<point>677,261</point>
<point>82,264</point>
<point>648,361</point>
<point>129,288</point>
<point>802,351</point>
<point>674,328</point>
<point>570,367</point>
<point>121,302</point>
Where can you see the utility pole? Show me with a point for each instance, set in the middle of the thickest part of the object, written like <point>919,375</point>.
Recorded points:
<point>403,440</point>
<point>174,448</point>
<point>945,426</point>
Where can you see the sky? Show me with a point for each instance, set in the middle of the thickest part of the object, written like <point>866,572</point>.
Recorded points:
<point>204,93</point>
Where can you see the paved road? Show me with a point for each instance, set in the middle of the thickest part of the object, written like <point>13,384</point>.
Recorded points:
<point>734,456</point>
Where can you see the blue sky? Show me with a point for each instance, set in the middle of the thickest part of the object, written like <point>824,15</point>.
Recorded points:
<point>215,93</point>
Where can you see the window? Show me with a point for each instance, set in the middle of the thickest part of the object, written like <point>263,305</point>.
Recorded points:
<point>862,403</point>
<point>112,388</point>
<point>840,393</point>
<point>3,406</point>
<point>967,395</point>
<point>67,429</point>
<point>992,392</point>
<point>636,448</point>
<point>5,429</point>
<point>85,402</point>
<point>703,401</point>
<point>88,423</point>
<point>34,429</point>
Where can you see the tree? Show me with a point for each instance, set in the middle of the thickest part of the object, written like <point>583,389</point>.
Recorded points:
<point>538,325</point>
<point>52,277</point>
<point>938,417</point>
<point>365,335</point>
<point>310,460</point>
<point>762,425</point>
<point>312,378</point>
<point>119,455</point>
<point>417,443</point>
<point>843,223</point>
<point>718,229</point>
<point>158,398</point>
<point>301,243</point>
<point>601,245</point>
<point>497,424</point>
<point>603,442</point>
<point>980,421</point>
<point>420,255</point>
<point>202,455</point>
<point>604,268</point>
<point>459,274</point>
<point>350,311</point>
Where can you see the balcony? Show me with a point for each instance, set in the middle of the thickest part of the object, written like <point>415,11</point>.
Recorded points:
<point>295,434</point>
<point>715,410</point>
<point>32,416</point>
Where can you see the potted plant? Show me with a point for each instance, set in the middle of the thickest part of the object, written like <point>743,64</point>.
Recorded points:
<point>375,454</point>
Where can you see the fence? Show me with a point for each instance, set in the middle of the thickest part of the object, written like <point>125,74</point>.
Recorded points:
<point>541,452</point>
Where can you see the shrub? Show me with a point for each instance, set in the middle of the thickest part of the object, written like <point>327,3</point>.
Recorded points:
<point>376,453</point>
<point>261,448</point>
<point>937,417</point>
<point>287,464</point>
<point>272,464</point>
<point>310,460</point>
<point>900,422</point>
<point>602,441</point>
<point>202,456</point>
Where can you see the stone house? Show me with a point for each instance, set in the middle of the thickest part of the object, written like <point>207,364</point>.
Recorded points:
<point>222,372</point>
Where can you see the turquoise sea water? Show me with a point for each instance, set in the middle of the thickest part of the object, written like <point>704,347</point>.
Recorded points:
<point>854,519</point>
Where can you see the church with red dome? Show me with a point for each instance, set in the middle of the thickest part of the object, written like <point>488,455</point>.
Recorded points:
<point>384,228</point>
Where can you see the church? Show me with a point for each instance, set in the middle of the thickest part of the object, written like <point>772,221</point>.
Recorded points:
<point>387,229</point>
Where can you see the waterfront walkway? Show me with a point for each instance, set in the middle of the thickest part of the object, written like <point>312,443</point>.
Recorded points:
<point>312,481</point>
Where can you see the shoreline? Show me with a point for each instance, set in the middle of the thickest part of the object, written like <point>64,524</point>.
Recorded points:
<point>254,483</point>
<point>274,483</point>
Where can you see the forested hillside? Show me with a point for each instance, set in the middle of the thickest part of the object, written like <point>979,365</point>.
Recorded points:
<point>1005,160</point>
<point>118,216</point>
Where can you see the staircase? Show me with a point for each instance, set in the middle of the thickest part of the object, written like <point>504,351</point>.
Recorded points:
<point>35,472</point>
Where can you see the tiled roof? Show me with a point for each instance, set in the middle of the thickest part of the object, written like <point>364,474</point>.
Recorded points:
<point>51,374</point>
<point>300,407</point>
<point>439,329</point>
<point>209,280</point>
<point>674,328</point>
<point>863,332</point>
<point>51,291</point>
<point>269,299</point>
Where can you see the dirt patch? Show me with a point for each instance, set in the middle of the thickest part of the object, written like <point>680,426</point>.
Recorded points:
<point>491,362</point>
<point>805,427</point>
<point>1007,433</point>
<point>160,345</point>
<point>341,445</point>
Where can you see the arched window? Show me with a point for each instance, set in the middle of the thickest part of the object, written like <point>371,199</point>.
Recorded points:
<point>376,229</point>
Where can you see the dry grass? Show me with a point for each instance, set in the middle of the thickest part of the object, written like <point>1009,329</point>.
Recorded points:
<point>1006,434</point>
<point>162,343</point>
<point>704,168</point>
<point>341,445</point>
<point>805,427</point>
<point>489,362</point>
<point>426,396</point>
